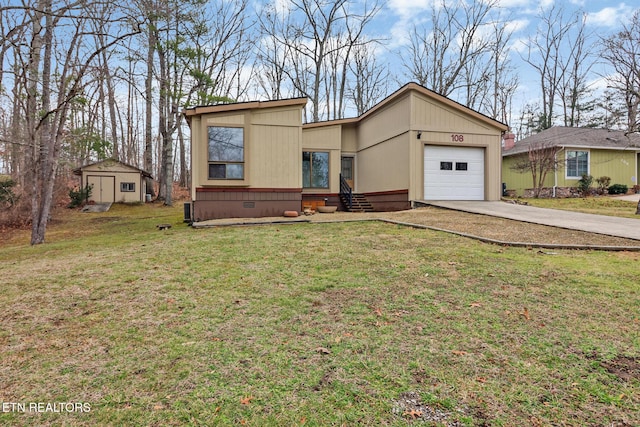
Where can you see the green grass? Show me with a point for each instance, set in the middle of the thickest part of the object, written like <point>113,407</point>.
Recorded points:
<point>592,205</point>
<point>312,324</point>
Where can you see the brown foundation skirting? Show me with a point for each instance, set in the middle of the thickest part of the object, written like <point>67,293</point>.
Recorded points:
<point>216,203</point>
<point>387,201</point>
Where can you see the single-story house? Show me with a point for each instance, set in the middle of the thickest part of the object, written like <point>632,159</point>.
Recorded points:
<point>113,181</point>
<point>256,159</point>
<point>578,151</point>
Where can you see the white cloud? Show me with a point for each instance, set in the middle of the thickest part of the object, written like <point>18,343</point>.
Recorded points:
<point>610,16</point>
<point>509,4</point>
<point>408,8</point>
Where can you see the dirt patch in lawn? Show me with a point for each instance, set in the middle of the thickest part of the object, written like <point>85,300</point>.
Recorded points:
<point>626,368</point>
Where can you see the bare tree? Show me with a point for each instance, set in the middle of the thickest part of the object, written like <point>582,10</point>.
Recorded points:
<point>545,55</point>
<point>58,34</point>
<point>217,54</point>
<point>540,160</point>
<point>504,83</point>
<point>575,71</point>
<point>446,55</point>
<point>370,82</point>
<point>622,51</point>
<point>319,37</point>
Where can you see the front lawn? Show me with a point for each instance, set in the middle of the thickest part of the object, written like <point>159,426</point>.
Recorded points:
<point>601,205</point>
<point>313,324</point>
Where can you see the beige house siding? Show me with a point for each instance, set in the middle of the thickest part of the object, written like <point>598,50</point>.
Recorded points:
<point>387,145</point>
<point>385,123</point>
<point>384,166</point>
<point>440,117</point>
<point>324,139</point>
<point>272,153</point>
<point>272,141</point>
<point>349,139</point>
<point>272,160</point>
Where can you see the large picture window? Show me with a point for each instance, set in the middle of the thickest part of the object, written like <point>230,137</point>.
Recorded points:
<point>226,152</point>
<point>577,164</point>
<point>315,169</point>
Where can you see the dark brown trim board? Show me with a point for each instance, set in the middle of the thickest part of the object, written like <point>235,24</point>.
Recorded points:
<point>387,201</point>
<point>215,203</point>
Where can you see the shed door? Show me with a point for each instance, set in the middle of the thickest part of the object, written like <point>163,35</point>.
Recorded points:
<point>104,188</point>
<point>453,173</point>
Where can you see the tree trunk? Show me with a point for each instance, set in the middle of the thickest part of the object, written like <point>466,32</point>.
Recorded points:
<point>148,136</point>
<point>184,167</point>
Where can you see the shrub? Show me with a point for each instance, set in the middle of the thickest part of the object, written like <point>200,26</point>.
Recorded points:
<point>584,185</point>
<point>618,189</point>
<point>7,196</point>
<point>603,184</point>
<point>79,196</point>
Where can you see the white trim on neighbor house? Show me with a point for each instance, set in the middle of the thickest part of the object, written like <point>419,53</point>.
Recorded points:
<point>567,150</point>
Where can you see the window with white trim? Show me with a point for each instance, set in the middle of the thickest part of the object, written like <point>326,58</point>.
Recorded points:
<point>577,164</point>
<point>127,187</point>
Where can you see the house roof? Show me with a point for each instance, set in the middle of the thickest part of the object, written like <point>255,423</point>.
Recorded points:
<point>239,106</point>
<point>402,92</point>
<point>575,137</point>
<point>78,171</point>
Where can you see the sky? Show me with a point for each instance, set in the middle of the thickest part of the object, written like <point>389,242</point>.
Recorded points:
<point>604,17</point>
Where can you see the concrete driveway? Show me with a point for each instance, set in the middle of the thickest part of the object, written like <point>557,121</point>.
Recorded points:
<point>601,224</point>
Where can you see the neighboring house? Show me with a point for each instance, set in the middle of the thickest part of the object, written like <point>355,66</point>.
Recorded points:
<point>595,152</point>
<point>257,159</point>
<point>113,181</point>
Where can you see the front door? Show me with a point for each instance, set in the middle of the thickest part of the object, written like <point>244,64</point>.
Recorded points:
<point>347,170</point>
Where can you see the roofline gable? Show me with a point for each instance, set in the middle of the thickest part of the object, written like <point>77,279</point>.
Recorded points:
<point>403,91</point>
<point>240,106</point>
<point>78,171</point>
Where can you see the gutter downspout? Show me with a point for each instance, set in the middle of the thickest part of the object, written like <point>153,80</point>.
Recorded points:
<point>555,172</point>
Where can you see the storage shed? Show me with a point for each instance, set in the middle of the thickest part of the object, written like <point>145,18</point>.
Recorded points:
<point>113,181</point>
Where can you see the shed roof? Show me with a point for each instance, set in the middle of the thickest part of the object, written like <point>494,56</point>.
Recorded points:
<point>576,137</point>
<point>78,171</point>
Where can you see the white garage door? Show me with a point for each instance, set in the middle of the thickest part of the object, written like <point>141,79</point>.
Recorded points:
<point>453,173</point>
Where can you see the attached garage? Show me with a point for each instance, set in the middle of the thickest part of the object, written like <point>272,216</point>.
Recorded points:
<point>454,173</point>
<point>112,181</point>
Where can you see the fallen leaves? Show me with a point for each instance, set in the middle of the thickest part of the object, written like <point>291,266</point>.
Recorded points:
<point>322,350</point>
<point>246,400</point>
<point>412,413</point>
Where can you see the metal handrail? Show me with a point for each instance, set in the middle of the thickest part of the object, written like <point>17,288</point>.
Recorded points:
<point>346,191</point>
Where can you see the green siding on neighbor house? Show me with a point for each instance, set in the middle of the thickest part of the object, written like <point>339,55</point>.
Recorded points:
<point>620,165</point>
<point>519,181</point>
